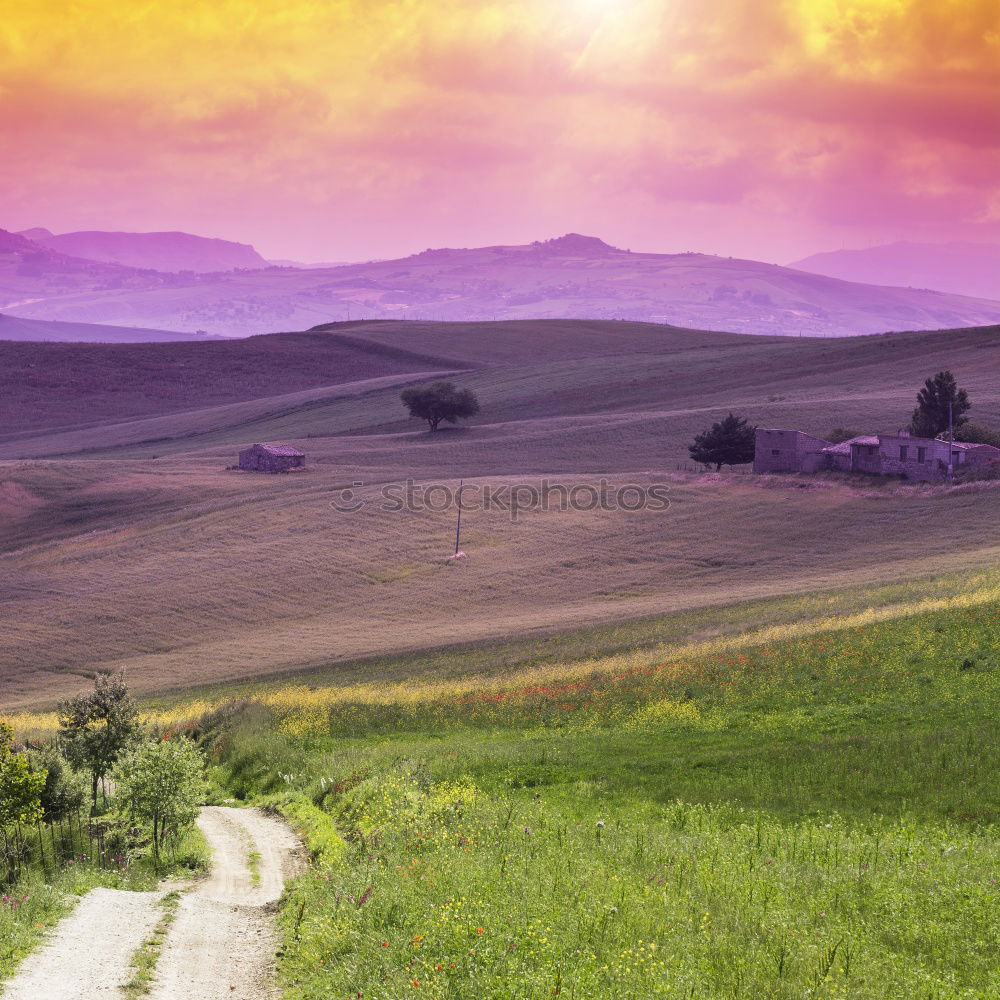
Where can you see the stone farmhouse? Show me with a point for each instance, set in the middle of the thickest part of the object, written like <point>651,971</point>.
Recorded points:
<point>898,454</point>
<point>262,457</point>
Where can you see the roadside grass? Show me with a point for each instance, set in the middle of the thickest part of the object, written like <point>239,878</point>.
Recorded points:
<point>144,961</point>
<point>37,901</point>
<point>253,864</point>
<point>808,816</point>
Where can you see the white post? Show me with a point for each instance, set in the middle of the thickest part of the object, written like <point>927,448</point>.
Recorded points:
<point>951,441</point>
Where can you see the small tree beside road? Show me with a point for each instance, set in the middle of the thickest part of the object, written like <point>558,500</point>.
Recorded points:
<point>439,401</point>
<point>161,782</point>
<point>728,442</point>
<point>94,728</point>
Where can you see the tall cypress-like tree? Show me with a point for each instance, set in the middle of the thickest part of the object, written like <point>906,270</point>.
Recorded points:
<point>930,418</point>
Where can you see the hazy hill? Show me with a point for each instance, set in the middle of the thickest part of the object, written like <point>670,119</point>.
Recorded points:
<point>573,276</point>
<point>124,540</point>
<point>16,328</point>
<point>38,233</point>
<point>37,281</point>
<point>31,273</point>
<point>960,268</point>
<point>173,252</point>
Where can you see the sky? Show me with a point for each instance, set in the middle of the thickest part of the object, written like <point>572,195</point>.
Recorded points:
<point>357,129</point>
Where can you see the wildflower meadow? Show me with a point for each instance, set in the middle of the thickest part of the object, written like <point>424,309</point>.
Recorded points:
<point>807,816</point>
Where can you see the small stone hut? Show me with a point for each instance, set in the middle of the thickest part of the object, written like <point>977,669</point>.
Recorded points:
<point>261,457</point>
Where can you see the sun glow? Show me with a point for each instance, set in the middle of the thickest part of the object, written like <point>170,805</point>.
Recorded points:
<point>601,6</point>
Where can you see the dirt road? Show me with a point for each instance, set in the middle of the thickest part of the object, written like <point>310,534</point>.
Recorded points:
<point>221,943</point>
<point>87,958</point>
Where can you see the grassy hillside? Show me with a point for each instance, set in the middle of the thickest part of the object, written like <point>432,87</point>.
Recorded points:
<point>186,577</point>
<point>611,385</point>
<point>132,545</point>
<point>58,385</point>
<point>785,816</point>
<point>16,328</point>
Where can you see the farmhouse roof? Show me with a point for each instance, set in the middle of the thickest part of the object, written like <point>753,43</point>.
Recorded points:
<point>844,447</point>
<point>284,450</point>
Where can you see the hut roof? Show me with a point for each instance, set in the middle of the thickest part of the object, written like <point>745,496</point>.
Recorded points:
<point>284,450</point>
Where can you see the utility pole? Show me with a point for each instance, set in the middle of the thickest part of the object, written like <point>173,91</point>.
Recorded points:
<point>951,441</point>
<point>458,526</point>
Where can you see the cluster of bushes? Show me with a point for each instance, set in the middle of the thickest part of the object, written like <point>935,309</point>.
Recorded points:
<point>103,779</point>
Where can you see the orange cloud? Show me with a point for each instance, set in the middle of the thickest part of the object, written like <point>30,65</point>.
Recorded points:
<point>367,127</point>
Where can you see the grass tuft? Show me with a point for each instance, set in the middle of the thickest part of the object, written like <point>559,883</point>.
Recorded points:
<point>147,955</point>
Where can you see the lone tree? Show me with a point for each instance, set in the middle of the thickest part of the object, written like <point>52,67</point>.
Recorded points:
<point>728,442</point>
<point>95,728</point>
<point>930,418</point>
<point>162,782</point>
<point>439,401</point>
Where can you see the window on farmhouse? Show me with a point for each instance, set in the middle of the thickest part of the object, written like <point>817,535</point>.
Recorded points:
<point>903,452</point>
<point>775,451</point>
<point>921,454</point>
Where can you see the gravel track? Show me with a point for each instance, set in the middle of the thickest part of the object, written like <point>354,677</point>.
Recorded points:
<point>221,943</point>
<point>88,954</point>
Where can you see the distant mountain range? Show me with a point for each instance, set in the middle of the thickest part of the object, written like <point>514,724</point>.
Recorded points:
<point>169,252</point>
<point>571,276</point>
<point>961,268</point>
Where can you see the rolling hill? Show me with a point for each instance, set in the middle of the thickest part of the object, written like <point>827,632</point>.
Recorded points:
<point>957,268</point>
<point>16,328</point>
<point>64,385</point>
<point>173,252</point>
<point>569,277</point>
<point>125,541</point>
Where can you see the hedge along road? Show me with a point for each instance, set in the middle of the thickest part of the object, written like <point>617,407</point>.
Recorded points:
<point>221,943</point>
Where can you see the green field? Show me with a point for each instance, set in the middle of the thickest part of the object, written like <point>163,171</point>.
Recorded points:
<point>811,816</point>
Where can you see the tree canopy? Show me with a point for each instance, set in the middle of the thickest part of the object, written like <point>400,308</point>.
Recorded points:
<point>64,790</point>
<point>930,418</point>
<point>728,442</point>
<point>94,728</point>
<point>20,786</point>
<point>162,782</point>
<point>839,434</point>
<point>977,434</point>
<point>439,401</point>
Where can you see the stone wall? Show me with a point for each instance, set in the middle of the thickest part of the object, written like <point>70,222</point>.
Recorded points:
<point>787,451</point>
